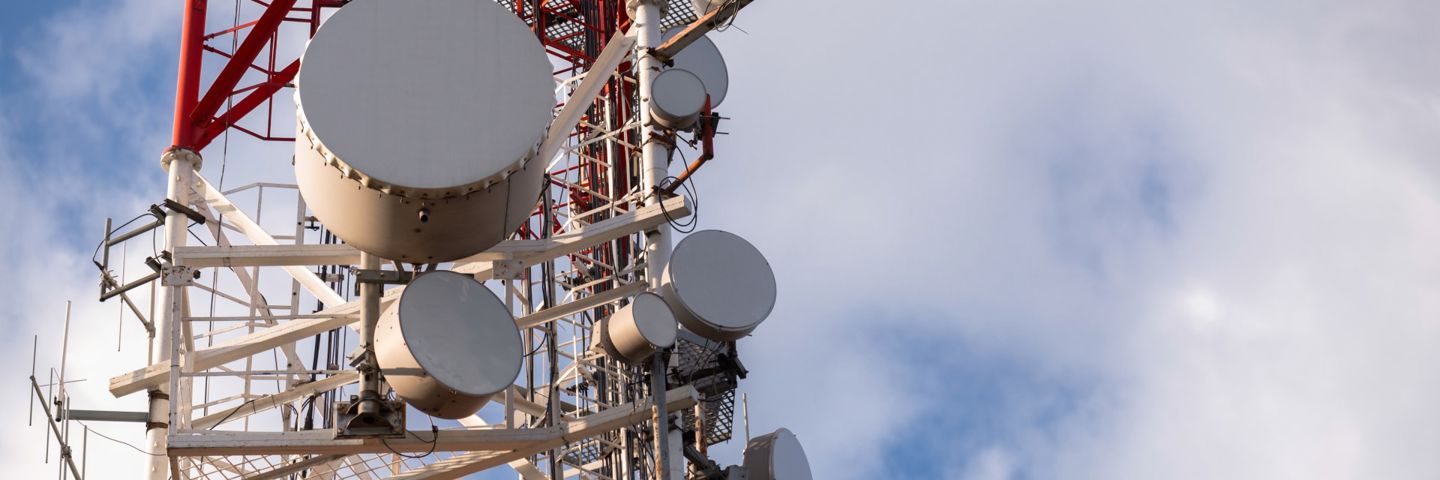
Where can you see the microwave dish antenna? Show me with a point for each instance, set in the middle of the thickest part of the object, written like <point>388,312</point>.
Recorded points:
<point>719,285</point>
<point>678,97</point>
<point>776,456</point>
<point>636,331</point>
<point>703,59</point>
<point>417,126</point>
<point>448,345</point>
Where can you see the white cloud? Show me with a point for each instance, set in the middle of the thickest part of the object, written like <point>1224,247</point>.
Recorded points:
<point>989,464</point>
<point>1075,189</point>
<point>82,113</point>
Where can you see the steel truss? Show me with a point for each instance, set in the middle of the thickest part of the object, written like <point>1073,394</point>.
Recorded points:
<point>246,384</point>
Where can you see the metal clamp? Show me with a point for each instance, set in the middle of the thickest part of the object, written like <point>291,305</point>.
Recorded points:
<point>506,270</point>
<point>178,276</point>
<point>383,277</point>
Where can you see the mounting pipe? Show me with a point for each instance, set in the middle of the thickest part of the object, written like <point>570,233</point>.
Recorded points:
<point>370,414</point>
<point>369,316</point>
<point>660,418</point>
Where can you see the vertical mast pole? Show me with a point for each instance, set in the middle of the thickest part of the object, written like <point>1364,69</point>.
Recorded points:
<point>654,156</point>
<point>180,164</point>
<point>654,151</point>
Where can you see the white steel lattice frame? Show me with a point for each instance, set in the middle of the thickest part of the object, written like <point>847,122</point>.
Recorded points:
<point>571,264</point>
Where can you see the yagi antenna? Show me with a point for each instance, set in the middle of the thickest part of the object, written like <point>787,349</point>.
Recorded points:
<point>55,418</point>
<point>55,404</point>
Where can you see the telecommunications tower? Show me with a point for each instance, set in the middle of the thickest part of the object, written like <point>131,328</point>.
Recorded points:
<point>484,212</point>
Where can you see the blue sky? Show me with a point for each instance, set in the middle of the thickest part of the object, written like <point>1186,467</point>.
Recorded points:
<point>14,26</point>
<point>1033,239</point>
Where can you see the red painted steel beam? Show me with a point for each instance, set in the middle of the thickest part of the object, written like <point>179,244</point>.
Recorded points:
<point>226,55</point>
<point>187,81</point>
<point>700,27</point>
<point>570,16</point>
<point>570,54</point>
<point>255,41</point>
<point>257,97</point>
<point>235,29</point>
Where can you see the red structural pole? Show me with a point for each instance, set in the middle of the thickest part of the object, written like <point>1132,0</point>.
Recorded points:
<point>187,88</point>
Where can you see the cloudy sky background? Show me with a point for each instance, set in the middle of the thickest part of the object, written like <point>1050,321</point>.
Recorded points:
<point>1033,239</point>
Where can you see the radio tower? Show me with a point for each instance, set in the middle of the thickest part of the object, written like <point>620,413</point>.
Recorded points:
<point>485,205</point>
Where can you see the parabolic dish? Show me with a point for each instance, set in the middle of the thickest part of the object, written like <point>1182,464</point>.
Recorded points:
<point>718,285</point>
<point>776,456</point>
<point>448,345</point>
<point>417,124</point>
<point>426,96</point>
<point>703,59</point>
<point>677,98</point>
<point>637,330</point>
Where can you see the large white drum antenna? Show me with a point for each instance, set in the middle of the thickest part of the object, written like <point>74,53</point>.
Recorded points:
<point>417,126</point>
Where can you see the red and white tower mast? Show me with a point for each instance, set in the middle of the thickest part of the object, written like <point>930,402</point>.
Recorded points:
<point>260,388</point>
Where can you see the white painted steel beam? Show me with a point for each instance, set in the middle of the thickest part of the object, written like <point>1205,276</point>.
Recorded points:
<point>241,347</point>
<point>523,466</point>
<point>252,288</point>
<point>268,402</point>
<point>517,397</point>
<point>266,255</point>
<point>526,469</point>
<point>465,464</point>
<point>577,306</point>
<point>519,441</point>
<point>531,252</point>
<point>296,467</point>
<point>527,251</point>
<point>258,236</point>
